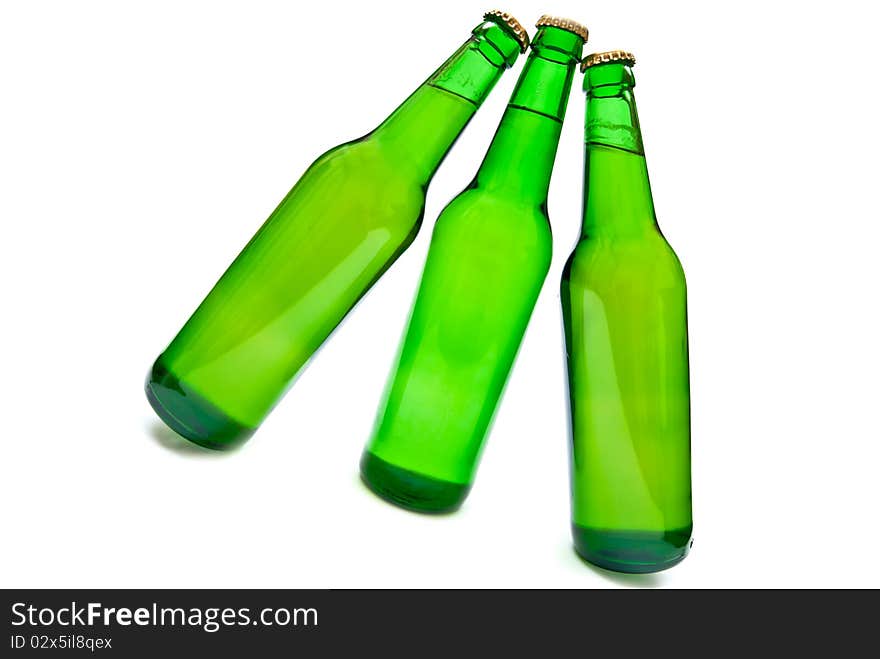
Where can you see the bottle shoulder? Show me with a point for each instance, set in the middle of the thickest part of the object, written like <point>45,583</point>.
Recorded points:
<point>647,258</point>
<point>488,205</point>
<point>363,166</point>
<point>357,185</point>
<point>365,158</point>
<point>488,215</point>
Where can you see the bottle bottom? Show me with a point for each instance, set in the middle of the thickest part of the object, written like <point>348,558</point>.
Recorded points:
<point>190,415</point>
<point>633,552</point>
<point>409,489</point>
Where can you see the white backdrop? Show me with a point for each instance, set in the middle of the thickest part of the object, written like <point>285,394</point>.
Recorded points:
<point>142,144</point>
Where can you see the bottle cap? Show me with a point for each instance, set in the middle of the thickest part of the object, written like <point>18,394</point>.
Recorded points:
<point>564,24</point>
<point>607,57</point>
<point>513,25</point>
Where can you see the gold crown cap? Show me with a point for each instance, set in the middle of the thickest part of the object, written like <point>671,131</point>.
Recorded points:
<point>564,24</point>
<point>607,57</point>
<point>515,26</point>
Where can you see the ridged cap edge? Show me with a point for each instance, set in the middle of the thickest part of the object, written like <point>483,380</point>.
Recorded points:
<point>502,17</point>
<point>564,24</point>
<point>607,57</point>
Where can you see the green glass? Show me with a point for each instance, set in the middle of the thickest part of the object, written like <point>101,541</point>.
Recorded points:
<point>488,258</point>
<point>624,311</point>
<point>353,212</point>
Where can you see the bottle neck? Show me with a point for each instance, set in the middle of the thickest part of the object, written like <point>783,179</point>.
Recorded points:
<point>520,159</point>
<point>423,128</point>
<point>617,192</point>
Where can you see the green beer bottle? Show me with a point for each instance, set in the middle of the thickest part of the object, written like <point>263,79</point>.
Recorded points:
<point>624,311</point>
<point>342,225</point>
<point>489,255</point>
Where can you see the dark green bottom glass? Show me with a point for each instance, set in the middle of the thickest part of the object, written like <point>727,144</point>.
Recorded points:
<point>409,489</point>
<point>633,552</point>
<point>190,415</point>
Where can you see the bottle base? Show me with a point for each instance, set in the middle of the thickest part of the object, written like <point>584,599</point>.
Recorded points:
<point>411,490</point>
<point>632,552</point>
<point>191,416</point>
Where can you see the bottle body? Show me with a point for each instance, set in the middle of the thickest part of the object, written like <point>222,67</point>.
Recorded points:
<point>624,310</point>
<point>342,225</point>
<point>625,318</point>
<point>316,255</point>
<point>487,262</point>
<point>488,258</point>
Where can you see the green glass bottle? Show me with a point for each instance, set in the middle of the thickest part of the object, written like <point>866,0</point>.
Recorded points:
<point>342,225</point>
<point>488,258</point>
<point>624,311</point>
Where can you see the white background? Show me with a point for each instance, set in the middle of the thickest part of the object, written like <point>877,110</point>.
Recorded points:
<point>143,143</point>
